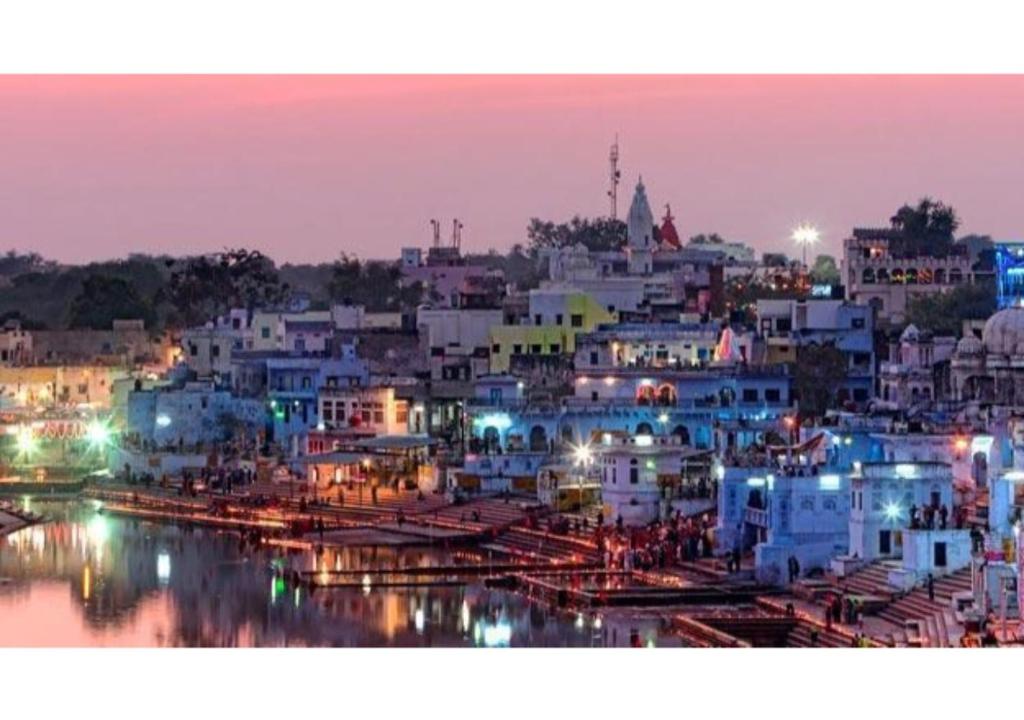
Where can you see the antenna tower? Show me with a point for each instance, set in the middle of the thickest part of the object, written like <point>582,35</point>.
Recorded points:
<point>614,176</point>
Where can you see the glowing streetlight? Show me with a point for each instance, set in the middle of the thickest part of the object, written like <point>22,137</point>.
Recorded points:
<point>804,235</point>
<point>26,440</point>
<point>98,435</point>
<point>583,454</point>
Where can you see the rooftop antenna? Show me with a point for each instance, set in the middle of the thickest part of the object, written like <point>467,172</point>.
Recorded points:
<point>614,176</point>
<point>436,228</point>
<point>456,234</point>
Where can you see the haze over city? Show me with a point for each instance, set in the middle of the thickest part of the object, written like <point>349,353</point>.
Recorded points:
<point>305,167</point>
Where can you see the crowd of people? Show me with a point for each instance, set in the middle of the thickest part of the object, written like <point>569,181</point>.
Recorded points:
<point>657,545</point>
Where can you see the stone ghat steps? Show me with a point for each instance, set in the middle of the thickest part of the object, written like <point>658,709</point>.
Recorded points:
<point>870,580</point>
<point>540,545</point>
<point>388,500</point>
<point>489,513</point>
<point>936,615</point>
<point>800,637</point>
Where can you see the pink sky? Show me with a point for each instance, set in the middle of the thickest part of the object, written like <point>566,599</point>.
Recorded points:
<point>305,167</point>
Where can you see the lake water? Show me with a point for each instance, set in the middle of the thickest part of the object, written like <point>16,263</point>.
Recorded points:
<point>89,579</point>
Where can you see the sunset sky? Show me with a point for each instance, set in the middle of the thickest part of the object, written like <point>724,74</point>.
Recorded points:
<point>305,167</point>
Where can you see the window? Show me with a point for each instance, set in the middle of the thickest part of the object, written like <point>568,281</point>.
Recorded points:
<point>577,320</point>
<point>535,349</point>
<point>538,319</point>
<point>750,395</point>
<point>264,332</point>
<point>858,323</point>
<point>593,395</point>
<point>307,382</point>
<point>517,349</point>
<point>558,319</point>
<point>593,357</point>
<point>634,475</point>
<point>772,395</point>
<point>378,417</point>
<point>215,350</point>
<point>496,348</point>
<point>402,413</point>
<point>860,394</point>
<point>193,350</point>
<point>784,324</point>
<point>555,348</point>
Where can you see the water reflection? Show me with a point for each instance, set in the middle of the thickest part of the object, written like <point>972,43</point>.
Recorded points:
<point>91,579</point>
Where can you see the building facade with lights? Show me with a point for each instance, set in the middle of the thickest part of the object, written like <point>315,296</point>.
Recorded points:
<point>876,273</point>
<point>650,477</point>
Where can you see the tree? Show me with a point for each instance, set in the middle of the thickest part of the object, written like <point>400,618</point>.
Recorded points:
<point>206,286</point>
<point>825,271</point>
<point>598,234</point>
<point>944,313</point>
<point>377,286</point>
<point>104,299</point>
<point>819,371</point>
<point>982,251</point>
<point>13,263</point>
<point>706,239</point>
<point>925,229</point>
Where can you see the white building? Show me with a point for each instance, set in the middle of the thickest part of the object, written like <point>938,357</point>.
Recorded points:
<point>641,476</point>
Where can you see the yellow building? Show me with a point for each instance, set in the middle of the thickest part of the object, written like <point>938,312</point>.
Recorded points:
<point>555,318</point>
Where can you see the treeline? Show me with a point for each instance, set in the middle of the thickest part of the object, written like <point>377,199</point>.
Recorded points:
<point>168,292</point>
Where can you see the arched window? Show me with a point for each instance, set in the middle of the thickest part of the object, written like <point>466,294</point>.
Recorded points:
<point>645,395</point>
<point>896,278</point>
<point>882,276</point>
<point>666,395</point>
<point>940,277</point>
<point>644,428</point>
<point>682,433</point>
<point>910,277</point>
<point>869,276</point>
<point>924,276</point>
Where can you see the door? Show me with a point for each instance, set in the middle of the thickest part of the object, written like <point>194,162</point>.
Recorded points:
<point>885,542</point>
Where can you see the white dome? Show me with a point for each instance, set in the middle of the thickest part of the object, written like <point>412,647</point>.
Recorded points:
<point>1004,331</point>
<point>969,345</point>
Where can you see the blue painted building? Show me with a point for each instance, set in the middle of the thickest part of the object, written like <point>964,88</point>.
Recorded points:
<point>1009,274</point>
<point>289,383</point>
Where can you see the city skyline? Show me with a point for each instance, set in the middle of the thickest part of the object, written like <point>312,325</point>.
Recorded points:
<point>306,167</point>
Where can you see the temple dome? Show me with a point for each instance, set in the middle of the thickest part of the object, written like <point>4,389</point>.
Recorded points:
<point>1004,331</point>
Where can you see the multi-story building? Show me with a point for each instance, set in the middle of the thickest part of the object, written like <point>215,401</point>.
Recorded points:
<point>556,316</point>
<point>912,377</point>
<point>877,272</point>
<point>371,410</point>
<point>787,326</point>
<point>15,344</point>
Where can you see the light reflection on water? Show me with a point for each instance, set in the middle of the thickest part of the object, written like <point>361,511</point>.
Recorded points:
<point>89,579</point>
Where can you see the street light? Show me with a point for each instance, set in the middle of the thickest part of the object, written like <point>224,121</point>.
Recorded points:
<point>583,456</point>
<point>805,234</point>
